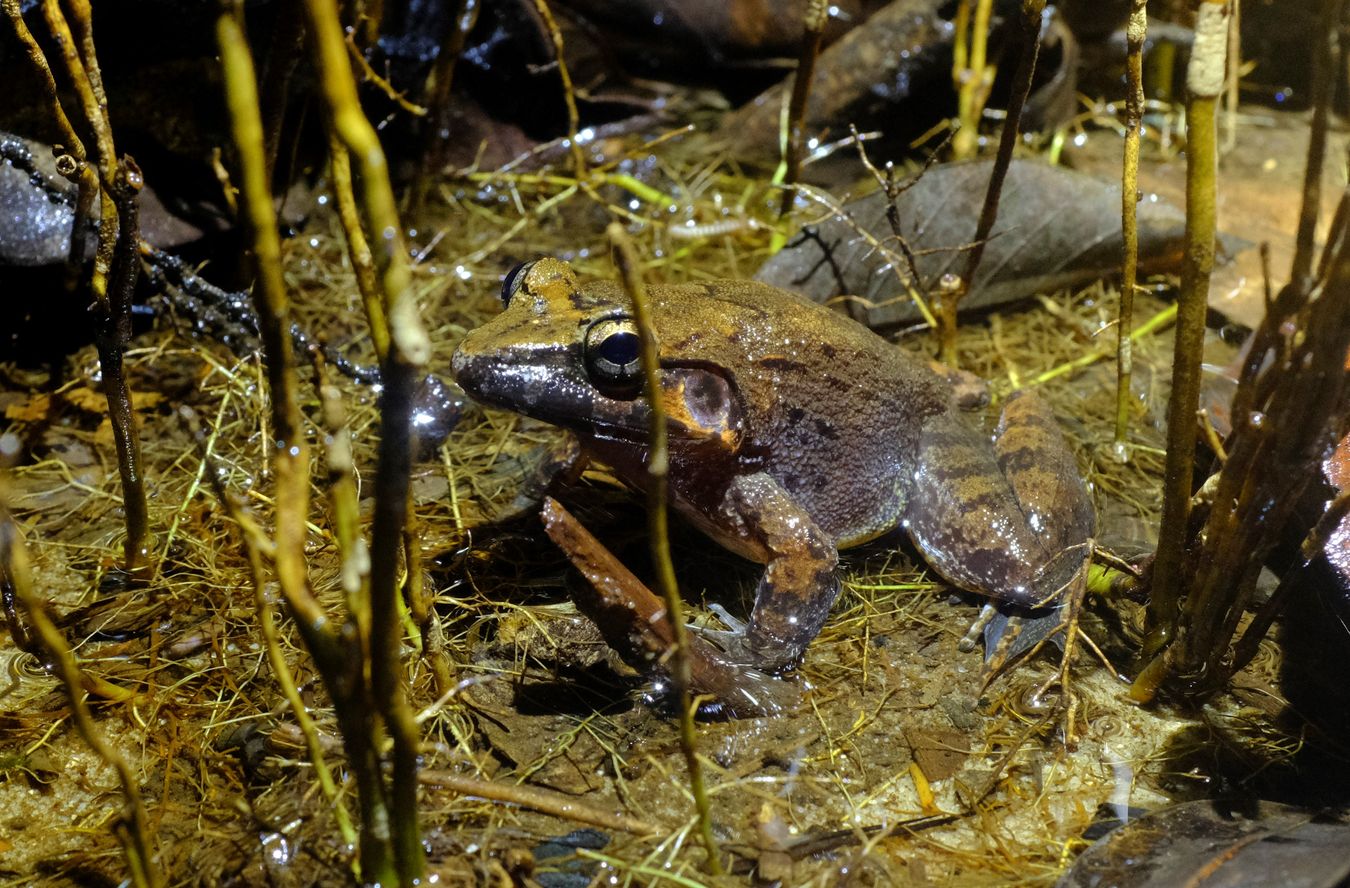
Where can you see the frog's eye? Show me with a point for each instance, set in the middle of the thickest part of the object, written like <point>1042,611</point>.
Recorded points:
<point>612,357</point>
<point>514,278</point>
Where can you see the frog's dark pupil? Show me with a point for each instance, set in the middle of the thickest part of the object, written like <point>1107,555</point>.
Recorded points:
<point>511,283</point>
<point>620,349</point>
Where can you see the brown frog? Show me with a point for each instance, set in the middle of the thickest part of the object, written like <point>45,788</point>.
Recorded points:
<point>794,432</point>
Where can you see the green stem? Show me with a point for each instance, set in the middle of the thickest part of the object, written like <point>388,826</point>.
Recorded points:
<point>657,517</point>
<point>1205,82</point>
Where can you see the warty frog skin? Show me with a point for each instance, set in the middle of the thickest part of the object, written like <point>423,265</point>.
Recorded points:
<point>794,432</point>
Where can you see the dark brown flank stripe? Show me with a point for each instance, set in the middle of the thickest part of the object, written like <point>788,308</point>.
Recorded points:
<point>787,365</point>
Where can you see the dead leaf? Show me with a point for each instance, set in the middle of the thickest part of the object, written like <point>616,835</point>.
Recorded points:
<point>92,400</point>
<point>1216,843</point>
<point>939,753</point>
<point>886,64</point>
<point>1056,228</point>
<point>34,409</point>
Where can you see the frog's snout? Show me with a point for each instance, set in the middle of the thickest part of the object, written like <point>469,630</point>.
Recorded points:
<point>459,364</point>
<point>472,370</point>
<point>531,379</point>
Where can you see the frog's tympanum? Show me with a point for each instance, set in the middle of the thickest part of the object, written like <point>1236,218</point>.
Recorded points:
<point>794,432</point>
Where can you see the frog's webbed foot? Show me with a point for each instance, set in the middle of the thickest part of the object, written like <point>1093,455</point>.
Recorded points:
<point>727,638</point>
<point>1012,632</point>
<point>557,464</point>
<point>1009,632</point>
<point>799,584</point>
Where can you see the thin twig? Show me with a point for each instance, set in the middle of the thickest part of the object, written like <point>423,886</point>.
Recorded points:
<point>1204,84</point>
<point>569,93</point>
<point>813,23</point>
<point>1032,11</point>
<point>358,246</point>
<point>1323,57</point>
<point>657,517</point>
<point>1135,33</point>
<point>555,803</point>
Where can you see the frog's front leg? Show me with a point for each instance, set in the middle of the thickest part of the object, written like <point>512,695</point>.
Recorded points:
<point>799,584</point>
<point>557,464</point>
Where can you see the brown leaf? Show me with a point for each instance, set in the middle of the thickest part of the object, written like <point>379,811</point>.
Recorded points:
<point>35,409</point>
<point>1214,843</point>
<point>93,401</point>
<point>1056,228</point>
<point>939,753</point>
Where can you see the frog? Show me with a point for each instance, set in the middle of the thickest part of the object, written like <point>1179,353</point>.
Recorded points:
<point>794,432</point>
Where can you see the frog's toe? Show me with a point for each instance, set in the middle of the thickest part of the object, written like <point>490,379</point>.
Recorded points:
<point>734,624</point>
<point>1012,632</point>
<point>729,639</point>
<point>740,646</point>
<point>977,628</point>
<point>731,642</point>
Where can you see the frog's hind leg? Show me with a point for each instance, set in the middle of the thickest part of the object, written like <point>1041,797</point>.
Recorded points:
<point>1009,521</point>
<point>1047,484</point>
<point>964,516</point>
<point>1042,470</point>
<point>1012,521</point>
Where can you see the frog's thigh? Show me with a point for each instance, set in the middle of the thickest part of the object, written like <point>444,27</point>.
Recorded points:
<point>1044,475</point>
<point>799,584</point>
<point>964,515</point>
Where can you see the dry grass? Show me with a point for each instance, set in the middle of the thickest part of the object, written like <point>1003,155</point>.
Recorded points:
<point>538,699</point>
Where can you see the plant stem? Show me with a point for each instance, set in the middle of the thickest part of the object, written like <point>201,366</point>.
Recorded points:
<point>290,456</point>
<point>1135,33</point>
<point>134,833</point>
<point>115,257</point>
<point>1026,68</point>
<point>400,373</point>
<point>1323,57</point>
<point>973,77</point>
<point>814,21</point>
<point>1204,83</point>
<point>657,515</point>
<point>569,93</point>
